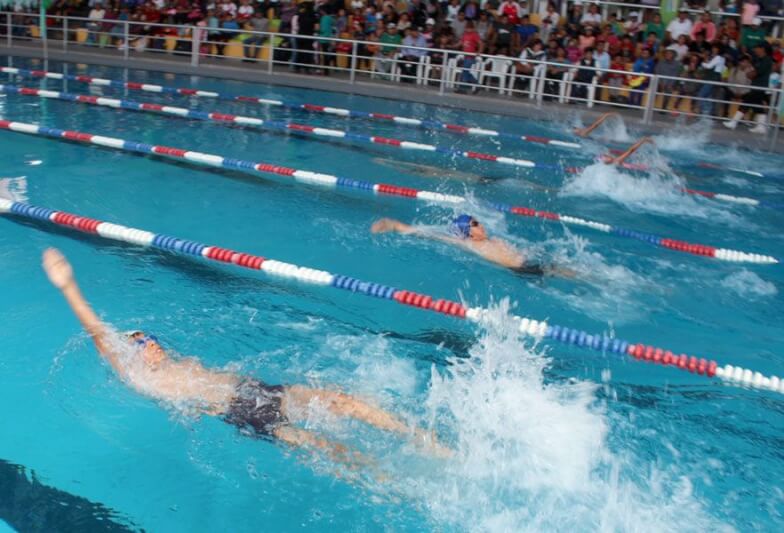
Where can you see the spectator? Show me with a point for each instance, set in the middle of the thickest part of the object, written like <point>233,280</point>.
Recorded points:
<point>452,10</point>
<point>656,26</point>
<point>429,33</point>
<point>755,100</point>
<point>752,35</point>
<point>385,57</point>
<point>512,10</point>
<point>643,65</point>
<point>525,31</point>
<point>459,25</point>
<point>500,38</point>
<point>749,12</point>
<point>592,17</point>
<point>681,47</point>
<point>410,57</point>
<point>739,79</point>
<point>688,89</point>
<point>705,25</point>
<point>524,68</point>
<point>483,26</point>
<point>550,20</point>
<point>713,68</point>
<point>584,75</point>
<point>556,71</point>
<point>615,80</point>
<point>573,52</point>
<point>252,44</point>
<point>471,10</point>
<point>601,56</point>
<point>471,45</point>
<point>679,26</point>
<point>669,67</point>
<point>97,14</point>
<point>244,11</point>
<point>587,39</point>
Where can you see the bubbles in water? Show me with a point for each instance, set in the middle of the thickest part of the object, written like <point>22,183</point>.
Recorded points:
<point>749,285</point>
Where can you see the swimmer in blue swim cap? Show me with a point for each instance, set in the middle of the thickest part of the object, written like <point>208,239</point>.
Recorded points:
<point>468,233</point>
<point>256,408</point>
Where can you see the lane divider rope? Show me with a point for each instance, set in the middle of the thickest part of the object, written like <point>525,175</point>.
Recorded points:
<point>603,343</point>
<point>312,108</point>
<point>328,180</point>
<point>288,127</point>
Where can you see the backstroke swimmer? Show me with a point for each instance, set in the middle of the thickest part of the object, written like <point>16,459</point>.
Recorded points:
<point>469,234</point>
<point>257,409</point>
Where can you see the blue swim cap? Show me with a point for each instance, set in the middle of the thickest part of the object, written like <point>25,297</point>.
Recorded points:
<point>462,225</point>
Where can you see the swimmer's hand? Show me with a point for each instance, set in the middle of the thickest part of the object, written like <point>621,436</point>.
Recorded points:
<point>386,225</point>
<point>57,268</point>
<point>581,132</point>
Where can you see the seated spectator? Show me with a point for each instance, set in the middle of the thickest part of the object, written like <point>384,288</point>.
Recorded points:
<point>483,26</point>
<point>643,65</point>
<point>730,28</point>
<point>526,31</point>
<point>244,11</point>
<point>749,11</point>
<point>651,43</point>
<point>556,71</point>
<point>459,25</point>
<point>471,10</point>
<point>688,89</point>
<point>615,80</point>
<point>471,45</point>
<point>97,13</point>
<point>739,79</point>
<point>612,41</point>
<point>699,45</point>
<point>587,39</point>
<point>705,25</point>
<point>410,57</point>
<point>592,17</point>
<point>667,68</point>
<point>512,10</point>
<point>452,10</point>
<point>429,32</point>
<point>681,47</point>
<point>679,26</point>
<point>573,52</point>
<point>526,67</point>
<point>633,27</point>
<point>403,23</point>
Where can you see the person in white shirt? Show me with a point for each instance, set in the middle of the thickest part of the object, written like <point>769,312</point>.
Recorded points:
<point>592,17</point>
<point>681,48</point>
<point>601,56</point>
<point>679,26</point>
<point>97,13</point>
<point>245,11</point>
<point>227,6</point>
<point>550,20</point>
<point>713,66</point>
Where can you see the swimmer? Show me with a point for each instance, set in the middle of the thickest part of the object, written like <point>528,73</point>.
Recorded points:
<point>620,159</point>
<point>584,132</point>
<point>470,235</point>
<point>256,408</point>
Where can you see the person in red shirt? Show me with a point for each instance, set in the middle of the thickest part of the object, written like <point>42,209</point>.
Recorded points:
<point>705,25</point>
<point>471,44</point>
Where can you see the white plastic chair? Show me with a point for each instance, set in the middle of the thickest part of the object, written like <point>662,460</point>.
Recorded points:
<point>497,67</point>
<point>454,71</point>
<point>423,70</point>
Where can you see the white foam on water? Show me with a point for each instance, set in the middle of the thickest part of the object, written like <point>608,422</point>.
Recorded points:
<point>14,189</point>
<point>687,138</point>
<point>749,285</point>
<point>654,192</point>
<point>532,454</point>
<point>613,129</point>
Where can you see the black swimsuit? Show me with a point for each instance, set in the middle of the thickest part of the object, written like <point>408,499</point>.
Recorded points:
<point>530,269</point>
<point>255,410</point>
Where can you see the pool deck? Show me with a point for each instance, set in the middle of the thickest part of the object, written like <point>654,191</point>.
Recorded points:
<point>485,101</point>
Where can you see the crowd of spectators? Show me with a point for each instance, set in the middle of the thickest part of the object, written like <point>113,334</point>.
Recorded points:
<point>695,46</point>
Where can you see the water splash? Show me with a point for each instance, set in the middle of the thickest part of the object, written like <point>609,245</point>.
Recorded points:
<point>749,285</point>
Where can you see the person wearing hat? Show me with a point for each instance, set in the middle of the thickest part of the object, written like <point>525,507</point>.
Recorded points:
<point>756,100</point>
<point>679,26</point>
<point>386,53</point>
<point>429,32</point>
<point>706,25</point>
<point>751,35</point>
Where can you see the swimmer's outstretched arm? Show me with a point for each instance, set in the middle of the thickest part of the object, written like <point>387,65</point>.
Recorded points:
<point>633,148</point>
<point>60,273</point>
<point>584,132</point>
<point>387,225</point>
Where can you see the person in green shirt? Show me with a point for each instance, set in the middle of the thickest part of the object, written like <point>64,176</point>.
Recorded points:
<point>752,35</point>
<point>385,56</point>
<point>655,26</point>
<point>326,29</point>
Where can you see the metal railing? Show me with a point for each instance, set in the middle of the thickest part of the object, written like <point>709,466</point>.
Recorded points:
<point>430,69</point>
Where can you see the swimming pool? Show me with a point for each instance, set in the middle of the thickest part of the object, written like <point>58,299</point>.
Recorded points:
<point>547,437</point>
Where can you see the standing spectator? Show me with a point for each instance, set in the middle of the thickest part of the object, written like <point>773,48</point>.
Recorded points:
<point>601,56</point>
<point>550,20</point>
<point>471,45</point>
<point>656,26</point>
<point>385,56</point>
<point>705,24</point>
<point>410,57</point>
<point>749,11</point>
<point>739,75</point>
<point>512,10</point>
<point>306,28</point>
<point>756,99</point>
<point>500,38</point>
<point>713,68</point>
<point>752,35</point>
<point>643,65</point>
<point>252,44</point>
<point>667,68</point>
<point>679,26</point>
<point>585,74</point>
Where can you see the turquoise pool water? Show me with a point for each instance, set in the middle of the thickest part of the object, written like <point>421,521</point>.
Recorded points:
<point>547,437</point>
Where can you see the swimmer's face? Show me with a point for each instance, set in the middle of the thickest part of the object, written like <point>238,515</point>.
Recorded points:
<point>151,351</point>
<point>476,231</point>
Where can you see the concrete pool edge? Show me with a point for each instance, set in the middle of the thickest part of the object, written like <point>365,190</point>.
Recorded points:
<point>484,103</point>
